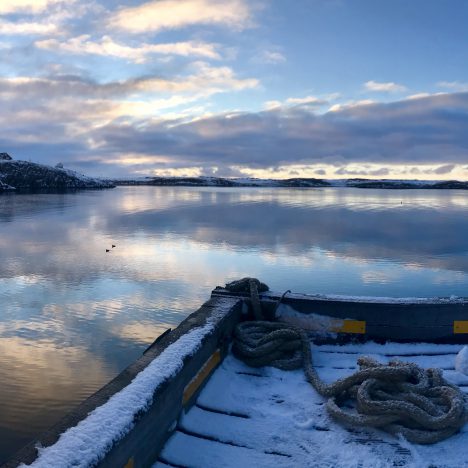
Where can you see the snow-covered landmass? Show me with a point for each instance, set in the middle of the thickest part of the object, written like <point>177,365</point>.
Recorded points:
<point>295,182</point>
<point>407,184</point>
<point>89,441</point>
<point>32,177</point>
<point>23,175</point>
<point>5,187</point>
<point>221,182</point>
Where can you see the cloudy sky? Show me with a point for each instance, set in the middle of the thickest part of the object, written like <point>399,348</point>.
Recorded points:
<point>311,88</point>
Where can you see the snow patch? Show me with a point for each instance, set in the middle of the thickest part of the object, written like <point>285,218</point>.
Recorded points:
<point>319,324</point>
<point>461,361</point>
<point>373,299</point>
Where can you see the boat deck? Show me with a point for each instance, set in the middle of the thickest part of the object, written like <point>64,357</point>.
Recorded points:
<point>266,417</point>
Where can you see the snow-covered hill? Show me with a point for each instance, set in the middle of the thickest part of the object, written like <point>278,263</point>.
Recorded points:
<point>32,177</point>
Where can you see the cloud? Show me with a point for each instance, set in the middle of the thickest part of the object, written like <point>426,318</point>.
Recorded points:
<point>99,124</point>
<point>204,79</point>
<point>46,17</point>
<point>27,6</point>
<point>388,87</point>
<point>175,14</point>
<point>346,171</point>
<point>457,86</point>
<point>444,169</point>
<point>107,47</point>
<point>76,105</point>
<point>423,131</point>
<point>418,95</point>
<point>270,105</point>
<point>308,100</point>
<point>25,28</point>
<point>351,104</point>
<point>270,57</point>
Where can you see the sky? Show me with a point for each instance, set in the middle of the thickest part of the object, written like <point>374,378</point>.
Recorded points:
<point>235,88</point>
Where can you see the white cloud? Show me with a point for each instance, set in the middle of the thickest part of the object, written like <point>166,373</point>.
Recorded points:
<point>86,117</point>
<point>173,14</point>
<point>293,101</point>
<point>454,86</point>
<point>27,6</point>
<point>271,57</point>
<point>205,79</point>
<point>308,100</point>
<point>78,104</point>
<point>270,105</point>
<point>350,105</point>
<point>418,96</point>
<point>108,47</point>
<point>19,28</point>
<point>388,87</point>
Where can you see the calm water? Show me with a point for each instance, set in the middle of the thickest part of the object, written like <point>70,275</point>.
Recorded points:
<point>72,316</point>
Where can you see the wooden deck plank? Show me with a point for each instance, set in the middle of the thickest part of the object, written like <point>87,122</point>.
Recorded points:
<point>251,433</point>
<point>195,452</point>
<point>222,391</point>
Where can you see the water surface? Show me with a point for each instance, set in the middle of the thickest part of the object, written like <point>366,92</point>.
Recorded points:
<point>72,316</point>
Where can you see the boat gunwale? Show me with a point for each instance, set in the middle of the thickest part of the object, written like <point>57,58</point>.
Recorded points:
<point>434,320</point>
<point>389,300</point>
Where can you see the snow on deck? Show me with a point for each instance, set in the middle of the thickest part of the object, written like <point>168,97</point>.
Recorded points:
<point>266,417</point>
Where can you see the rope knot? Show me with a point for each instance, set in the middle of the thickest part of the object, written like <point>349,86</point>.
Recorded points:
<point>398,397</point>
<point>244,285</point>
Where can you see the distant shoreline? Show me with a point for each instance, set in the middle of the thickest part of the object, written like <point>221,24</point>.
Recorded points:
<point>25,176</point>
<point>294,182</point>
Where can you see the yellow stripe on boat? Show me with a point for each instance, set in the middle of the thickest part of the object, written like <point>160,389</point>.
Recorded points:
<point>460,326</point>
<point>201,376</point>
<point>351,326</point>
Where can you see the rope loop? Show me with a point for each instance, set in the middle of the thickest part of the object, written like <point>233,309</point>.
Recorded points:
<point>398,397</point>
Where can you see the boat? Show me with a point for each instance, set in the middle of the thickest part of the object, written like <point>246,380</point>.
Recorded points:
<point>189,402</point>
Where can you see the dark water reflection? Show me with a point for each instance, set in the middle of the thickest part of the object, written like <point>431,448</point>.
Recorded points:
<point>72,316</point>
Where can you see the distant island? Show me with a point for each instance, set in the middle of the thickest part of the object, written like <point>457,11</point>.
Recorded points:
<point>25,176</point>
<point>295,182</point>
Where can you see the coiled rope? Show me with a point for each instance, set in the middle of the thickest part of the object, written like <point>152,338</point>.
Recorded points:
<point>398,397</point>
